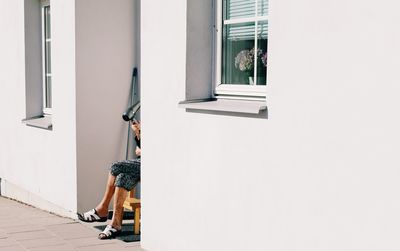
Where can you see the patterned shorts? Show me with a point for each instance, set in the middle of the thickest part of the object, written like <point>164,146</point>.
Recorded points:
<point>127,173</point>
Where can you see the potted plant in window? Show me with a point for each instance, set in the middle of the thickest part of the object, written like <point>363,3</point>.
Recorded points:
<point>244,61</point>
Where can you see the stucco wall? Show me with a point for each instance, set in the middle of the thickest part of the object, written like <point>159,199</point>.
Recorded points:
<point>320,174</point>
<point>39,162</point>
<point>107,49</point>
<point>94,48</point>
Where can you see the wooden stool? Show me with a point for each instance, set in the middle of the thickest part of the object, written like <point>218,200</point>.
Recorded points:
<point>133,204</point>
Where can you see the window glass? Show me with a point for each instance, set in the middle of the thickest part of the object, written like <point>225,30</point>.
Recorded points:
<point>244,42</point>
<point>262,8</point>
<point>239,8</point>
<point>48,58</point>
<point>47,85</point>
<point>262,56</point>
<point>48,92</point>
<point>47,21</point>
<point>238,56</point>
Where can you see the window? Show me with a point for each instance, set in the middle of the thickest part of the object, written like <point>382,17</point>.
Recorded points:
<point>38,76</point>
<point>241,48</point>
<point>46,57</point>
<point>226,57</point>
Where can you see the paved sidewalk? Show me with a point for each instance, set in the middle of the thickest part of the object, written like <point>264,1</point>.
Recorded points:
<point>24,227</point>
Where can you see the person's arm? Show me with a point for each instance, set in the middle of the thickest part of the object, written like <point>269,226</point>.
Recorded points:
<point>136,128</point>
<point>138,151</point>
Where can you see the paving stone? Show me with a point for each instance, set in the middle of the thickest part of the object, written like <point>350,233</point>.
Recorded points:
<point>50,220</point>
<point>7,202</point>
<point>134,249</point>
<point>13,248</point>
<point>6,242</point>
<point>39,234</point>
<point>12,203</point>
<point>72,231</point>
<point>6,224</point>
<point>104,247</point>
<point>132,244</point>
<point>33,213</point>
<point>21,212</point>
<point>11,208</point>
<point>54,248</point>
<point>12,213</point>
<point>55,241</point>
<point>90,241</point>
<point>23,228</point>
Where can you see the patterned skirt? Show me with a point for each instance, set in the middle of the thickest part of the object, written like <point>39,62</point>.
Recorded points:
<point>127,173</point>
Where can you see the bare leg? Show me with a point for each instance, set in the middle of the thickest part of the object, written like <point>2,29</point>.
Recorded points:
<point>102,207</point>
<point>119,198</point>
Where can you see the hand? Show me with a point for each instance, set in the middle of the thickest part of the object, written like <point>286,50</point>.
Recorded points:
<point>138,151</point>
<point>136,128</point>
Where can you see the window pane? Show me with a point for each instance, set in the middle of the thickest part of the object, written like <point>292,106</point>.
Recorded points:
<point>262,7</point>
<point>262,45</point>
<point>48,57</point>
<point>239,8</point>
<point>47,20</point>
<point>48,92</point>
<point>238,53</point>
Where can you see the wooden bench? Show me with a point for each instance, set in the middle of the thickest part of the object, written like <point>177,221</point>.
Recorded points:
<point>133,204</point>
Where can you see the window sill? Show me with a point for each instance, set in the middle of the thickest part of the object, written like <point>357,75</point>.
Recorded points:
<point>226,105</point>
<point>43,122</point>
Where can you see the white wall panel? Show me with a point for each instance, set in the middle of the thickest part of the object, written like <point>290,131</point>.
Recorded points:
<point>107,49</point>
<point>320,174</point>
<point>39,161</point>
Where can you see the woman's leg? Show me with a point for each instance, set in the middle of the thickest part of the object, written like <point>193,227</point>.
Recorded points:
<point>102,207</point>
<point>124,183</point>
<point>118,211</point>
<point>118,214</point>
<point>116,169</point>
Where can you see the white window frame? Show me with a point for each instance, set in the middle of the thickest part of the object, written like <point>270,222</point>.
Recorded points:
<point>253,92</point>
<point>46,110</point>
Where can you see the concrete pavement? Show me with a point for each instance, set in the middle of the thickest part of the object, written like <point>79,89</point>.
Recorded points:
<point>23,227</point>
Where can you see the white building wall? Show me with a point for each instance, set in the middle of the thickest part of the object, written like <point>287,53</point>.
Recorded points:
<point>38,166</point>
<point>107,49</point>
<point>94,49</point>
<point>320,174</point>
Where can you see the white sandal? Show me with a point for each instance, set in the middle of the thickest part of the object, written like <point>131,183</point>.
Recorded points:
<point>109,232</point>
<point>91,216</point>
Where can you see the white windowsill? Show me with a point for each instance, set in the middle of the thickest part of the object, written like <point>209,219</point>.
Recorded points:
<point>225,105</point>
<point>43,122</point>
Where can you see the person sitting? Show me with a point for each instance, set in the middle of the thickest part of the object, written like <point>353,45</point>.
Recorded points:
<point>123,177</point>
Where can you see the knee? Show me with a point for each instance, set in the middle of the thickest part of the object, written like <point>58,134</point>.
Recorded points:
<point>125,181</point>
<point>120,190</point>
<point>115,169</point>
